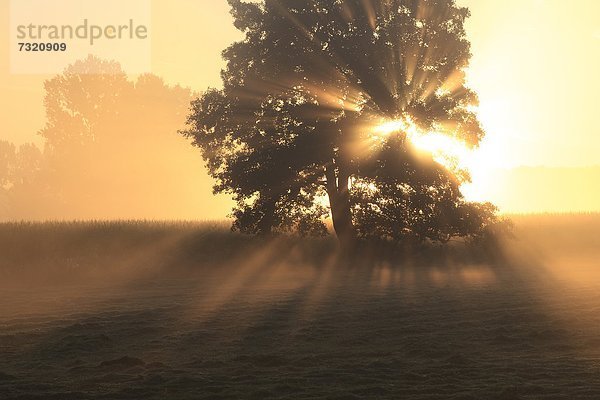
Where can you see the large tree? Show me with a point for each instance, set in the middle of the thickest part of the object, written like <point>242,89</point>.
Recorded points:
<point>297,119</point>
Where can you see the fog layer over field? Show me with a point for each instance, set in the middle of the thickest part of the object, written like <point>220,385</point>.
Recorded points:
<point>192,310</point>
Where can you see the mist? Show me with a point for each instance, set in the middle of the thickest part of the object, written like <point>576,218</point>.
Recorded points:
<point>186,303</point>
<point>110,150</point>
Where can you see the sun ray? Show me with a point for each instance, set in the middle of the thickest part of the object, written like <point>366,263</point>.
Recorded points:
<point>446,150</point>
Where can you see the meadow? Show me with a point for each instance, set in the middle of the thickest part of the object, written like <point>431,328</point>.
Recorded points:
<point>190,310</point>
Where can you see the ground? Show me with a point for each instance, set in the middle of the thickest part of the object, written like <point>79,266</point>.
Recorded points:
<point>270,325</point>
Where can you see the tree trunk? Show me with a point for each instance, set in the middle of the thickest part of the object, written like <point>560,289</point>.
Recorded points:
<point>339,201</point>
<point>267,221</point>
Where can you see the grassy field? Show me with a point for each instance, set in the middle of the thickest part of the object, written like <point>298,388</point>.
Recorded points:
<point>157,310</point>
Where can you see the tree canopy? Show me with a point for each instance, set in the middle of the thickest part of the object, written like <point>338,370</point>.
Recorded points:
<point>293,135</point>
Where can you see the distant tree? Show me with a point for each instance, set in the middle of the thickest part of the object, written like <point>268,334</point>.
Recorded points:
<point>110,149</point>
<point>7,161</point>
<point>7,152</point>
<point>83,105</point>
<point>296,119</point>
<point>111,143</point>
<point>27,165</point>
<point>19,178</point>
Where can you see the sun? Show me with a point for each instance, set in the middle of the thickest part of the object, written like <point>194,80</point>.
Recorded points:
<point>448,151</point>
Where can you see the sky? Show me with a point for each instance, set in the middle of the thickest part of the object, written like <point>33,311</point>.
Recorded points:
<point>534,67</point>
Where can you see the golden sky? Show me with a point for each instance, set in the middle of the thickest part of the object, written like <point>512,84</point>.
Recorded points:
<point>535,66</point>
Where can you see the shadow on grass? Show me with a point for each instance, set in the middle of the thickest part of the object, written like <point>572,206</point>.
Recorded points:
<point>205,313</point>
<point>112,252</point>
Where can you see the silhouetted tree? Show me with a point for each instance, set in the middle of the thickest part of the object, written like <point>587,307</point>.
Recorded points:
<point>296,119</point>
